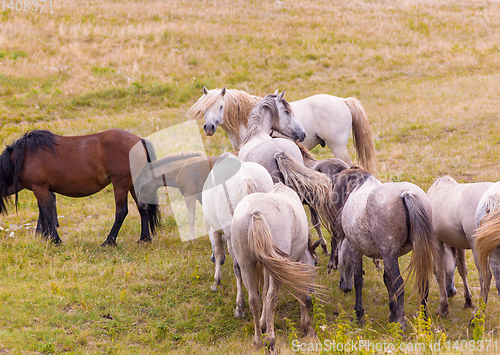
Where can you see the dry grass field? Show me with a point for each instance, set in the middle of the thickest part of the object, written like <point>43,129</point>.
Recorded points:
<point>427,73</point>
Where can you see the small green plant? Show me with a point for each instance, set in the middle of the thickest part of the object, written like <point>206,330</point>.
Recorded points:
<point>478,321</point>
<point>292,331</point>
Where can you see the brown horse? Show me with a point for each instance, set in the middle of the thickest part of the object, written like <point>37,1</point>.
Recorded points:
<point>75,166</point>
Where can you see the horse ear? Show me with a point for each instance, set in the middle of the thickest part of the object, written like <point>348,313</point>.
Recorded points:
<point>205,91</point>
<point>280,96</point>
<point>223,92</point>
<point>276,92</point>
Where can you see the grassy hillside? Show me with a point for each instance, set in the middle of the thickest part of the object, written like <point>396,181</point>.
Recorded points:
<point>427,73</point>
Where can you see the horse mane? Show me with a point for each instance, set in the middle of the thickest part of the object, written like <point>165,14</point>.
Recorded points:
<point>306,153</point>
<point>442,182</point>
<point>255,116</point>
<point>9,173</point>
<point>238,105</point>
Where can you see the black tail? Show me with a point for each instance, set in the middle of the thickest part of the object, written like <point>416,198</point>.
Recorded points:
<point>10,171</point>
<point>153,208</point>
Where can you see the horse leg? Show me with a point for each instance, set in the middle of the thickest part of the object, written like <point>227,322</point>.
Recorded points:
<point>305,321</point>
<point>440,277</point>
<point>462,270</point>
<point>333,262</point>
<point>239,312</point>
<point>45,206</point>
<point>495,267</point>
<point>143,212</point>
<point>450,265</point>
<point>340,151</point>
<point>42,227</point>
<point>485,283</point>
<point>218,252</point>
<point>392,300</point>
<point>251,282</point>
<point>357,262</point>
<point>265,290</point>
<point>394,281</point>
<point>191,211</point>
<point>270,307</point>
<point>317,225</point>
<point>120,214</point>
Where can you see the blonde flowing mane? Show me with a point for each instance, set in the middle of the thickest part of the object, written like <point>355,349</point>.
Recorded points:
<point>238,105</point>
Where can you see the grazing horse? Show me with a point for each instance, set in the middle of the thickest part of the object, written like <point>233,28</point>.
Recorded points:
<point>281,157</point>
<point>488,235</point>
<point>270,231</point>
<point>453,213</point>
<point>187,172</point>
<point>326,120</point>
<point>76,166</point>
<point>229,181</point>
<point>385,221</point>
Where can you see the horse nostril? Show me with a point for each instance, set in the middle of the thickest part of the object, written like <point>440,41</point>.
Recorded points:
<point>205,127</point>
<point>212,127</point>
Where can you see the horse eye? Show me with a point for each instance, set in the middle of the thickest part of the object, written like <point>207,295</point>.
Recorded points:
<point>287,112</point>
<point>221,107</point>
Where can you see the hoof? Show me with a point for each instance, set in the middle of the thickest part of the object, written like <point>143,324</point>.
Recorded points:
<point>215,287</point>
<point>468,304</point>
<point>442,311</point>
<point>145,240</point>
<point>239,313</point>
<point>109,244</point>
<point>57,242</point>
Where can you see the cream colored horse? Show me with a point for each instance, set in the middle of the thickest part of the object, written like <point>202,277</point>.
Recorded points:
<point>453,213</point>
<point>270,231</point>
<point>326,120</point>
<point>229,181</point>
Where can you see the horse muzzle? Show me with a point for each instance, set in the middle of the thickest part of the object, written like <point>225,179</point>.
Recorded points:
<point>209,129</point>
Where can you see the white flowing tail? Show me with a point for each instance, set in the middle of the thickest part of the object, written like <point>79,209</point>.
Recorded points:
<point>363,136</point>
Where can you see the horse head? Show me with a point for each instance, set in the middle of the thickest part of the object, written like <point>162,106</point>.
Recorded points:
<point>346,182</point>
<point>287,124</point>
<point>214,114</point>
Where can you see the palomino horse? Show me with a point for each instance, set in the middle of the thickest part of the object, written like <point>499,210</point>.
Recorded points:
<point>453,213</point>
<point>76,166</point>
<point>229,181</point>
<point>385,221</point>
<point>326,120</point>
<point>270,231</point>
<point>282,158</point>
<point>488,235</point>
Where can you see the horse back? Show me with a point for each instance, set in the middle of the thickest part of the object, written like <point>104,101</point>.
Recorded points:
<point>80,165</point>
<point>453,211</point>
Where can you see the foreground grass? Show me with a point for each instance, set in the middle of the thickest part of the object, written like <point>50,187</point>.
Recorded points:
<point>426,72</point>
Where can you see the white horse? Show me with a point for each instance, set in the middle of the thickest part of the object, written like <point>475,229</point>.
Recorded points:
<point>488,234</point>
<point>270,231</point>
<point>326,120</point>
<point>229,181</point>
<point>454,208</point>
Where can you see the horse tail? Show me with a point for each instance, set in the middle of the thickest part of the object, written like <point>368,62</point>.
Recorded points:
<point>10,171</point>
<point>249,187</point>
<point>487,238</point>
<point>6,177</point>
<point>420,231</point>
<point>363,136</point>
<point>294,275</point>
<point>154,213</point>
<point>313,188</point>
